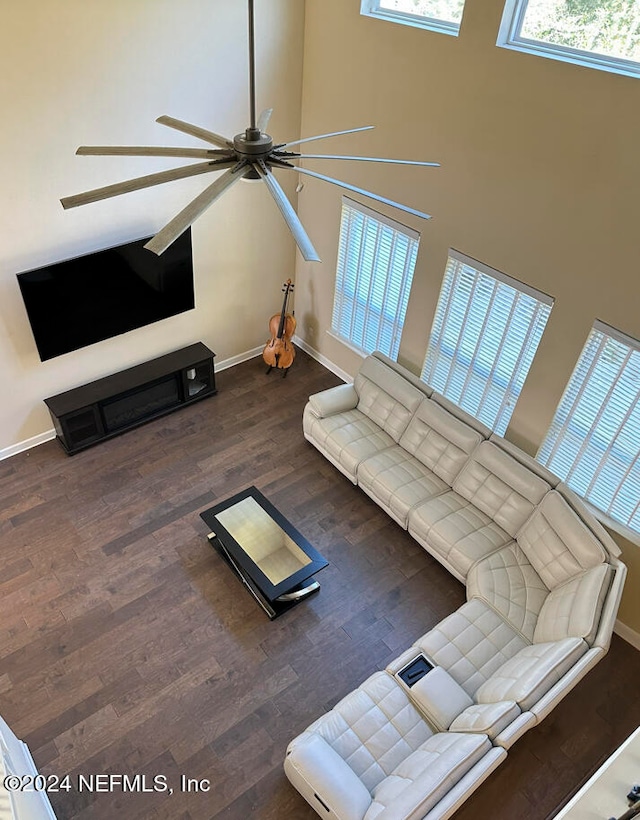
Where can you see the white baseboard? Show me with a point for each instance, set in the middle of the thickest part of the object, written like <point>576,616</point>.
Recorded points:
<point>628,634</point>
<point>323,360</point>
<point>241,357</point>
<point>48,435</point>
<point>21,446</point>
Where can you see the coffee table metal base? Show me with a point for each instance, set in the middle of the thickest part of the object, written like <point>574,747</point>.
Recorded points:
<point>273,608</point>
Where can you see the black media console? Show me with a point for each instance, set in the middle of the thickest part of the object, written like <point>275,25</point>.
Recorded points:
<point>104,408</point>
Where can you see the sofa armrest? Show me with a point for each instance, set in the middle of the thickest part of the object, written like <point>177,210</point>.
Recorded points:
<point>334,400</point>
<point>440,697</point>
<point>486,718</point>
<point>324,779</point>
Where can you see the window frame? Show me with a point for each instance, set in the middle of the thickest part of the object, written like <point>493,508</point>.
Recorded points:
<point>341,296</point>
<point>509,36</point>
<point>371,8</point>
<point>459,361</point>
<point>564,421</point>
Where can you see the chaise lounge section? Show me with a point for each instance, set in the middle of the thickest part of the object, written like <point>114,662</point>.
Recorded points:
<point>543,582</point>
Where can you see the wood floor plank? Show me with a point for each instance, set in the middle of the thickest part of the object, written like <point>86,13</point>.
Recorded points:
<point>127,645</point>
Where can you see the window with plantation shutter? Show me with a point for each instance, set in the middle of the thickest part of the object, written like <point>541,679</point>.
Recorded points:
<point>485,334</point>
<point>376,258</point>
<point>593,443</point>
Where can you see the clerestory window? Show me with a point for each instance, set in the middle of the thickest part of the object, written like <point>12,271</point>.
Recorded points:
<point>443,16</point>
<point>602,34</point>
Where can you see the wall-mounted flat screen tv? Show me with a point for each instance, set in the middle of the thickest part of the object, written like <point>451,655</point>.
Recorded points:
<point>84,300</point>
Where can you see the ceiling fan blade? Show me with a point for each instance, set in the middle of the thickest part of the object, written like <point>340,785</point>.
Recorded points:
<point>356,190</point>
<point>194,209</point>
<point>144,182</point>
<point>149,151</point>
<point>367,159</point>
<point>263,119</point>
<point>323,136</point>
<point>195,131</point>
<point>290,216</point>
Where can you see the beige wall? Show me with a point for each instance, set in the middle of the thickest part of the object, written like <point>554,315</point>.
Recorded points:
<point>74,72</point>
<point>540,178</point>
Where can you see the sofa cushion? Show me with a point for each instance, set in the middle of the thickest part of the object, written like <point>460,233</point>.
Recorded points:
<point>501,487</point>
<point>588,519</point>
<point>507,581</point>
<point>455,531</point>
<point>374,728</point>
<point>385,397</point>
<point>529,675</point>
<point>398,481</point>
<point>347,438</point>
<point>439,440</point>
<point>471,644</point>
<point>425,777</point>
<point>559,545</point>
<point>574,608</point>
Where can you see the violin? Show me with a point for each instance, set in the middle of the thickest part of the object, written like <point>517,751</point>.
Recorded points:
<point>279,351</point>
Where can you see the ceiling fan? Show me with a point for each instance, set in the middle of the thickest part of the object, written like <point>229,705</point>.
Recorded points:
<point>249,155</point>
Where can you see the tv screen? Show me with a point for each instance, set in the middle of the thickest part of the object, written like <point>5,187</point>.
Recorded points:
<point>84,300</point>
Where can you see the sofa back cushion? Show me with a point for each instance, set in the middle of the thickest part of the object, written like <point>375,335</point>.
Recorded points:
<point>439,440</point>
<point>386,397</point>
<point>574,609</point>
<point>503,488</point>
<point>557,543</point>
<point>507,582</point>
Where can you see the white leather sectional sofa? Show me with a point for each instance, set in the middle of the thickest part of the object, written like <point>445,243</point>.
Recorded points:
<point>543,584</point>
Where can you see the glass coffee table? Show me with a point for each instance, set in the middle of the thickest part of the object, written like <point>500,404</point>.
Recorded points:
<point>270,556</point>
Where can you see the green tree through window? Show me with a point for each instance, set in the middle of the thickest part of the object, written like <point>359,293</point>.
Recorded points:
<point>610,27</point>
<point>450,10</point>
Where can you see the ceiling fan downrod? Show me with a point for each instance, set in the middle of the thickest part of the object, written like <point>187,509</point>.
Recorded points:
<point>252,145</point>
<point>252,133</point>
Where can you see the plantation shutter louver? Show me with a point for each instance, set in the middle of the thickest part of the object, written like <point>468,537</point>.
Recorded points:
<point>485,334</point>
<point>376,260</point>
<point>593,443</point>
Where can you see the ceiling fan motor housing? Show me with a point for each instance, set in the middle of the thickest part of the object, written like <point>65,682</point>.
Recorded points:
<point>253,144</point>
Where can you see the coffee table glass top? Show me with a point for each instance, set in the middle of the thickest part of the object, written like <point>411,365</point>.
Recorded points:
<point>263,544</point>
<point>273,551</point>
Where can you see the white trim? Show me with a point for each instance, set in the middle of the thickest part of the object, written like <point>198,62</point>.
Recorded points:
<point>48,435</point>
<point>509,37</point>
<point>616,334</point>
<point>501,277</point>
<point>610,523</point>
<point>323,359</point>
<point>386,220</point>
<point>241,357</point>
<point>21,446</point>
<point>353,348</point>
<point>370,8</point>
<point>627,634</point>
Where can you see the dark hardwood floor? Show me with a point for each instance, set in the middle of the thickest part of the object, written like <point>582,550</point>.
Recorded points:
<point>127,646</point>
